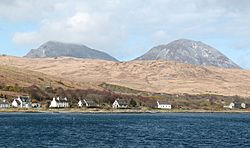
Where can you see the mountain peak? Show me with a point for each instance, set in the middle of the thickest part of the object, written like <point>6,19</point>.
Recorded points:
<point>184,40</point>
<point>58,49</point>
<point>191,52</point>
<point>188,42</point>
<point>54,42</point>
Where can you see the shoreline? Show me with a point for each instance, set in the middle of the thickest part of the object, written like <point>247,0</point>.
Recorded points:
<point>116,111</point>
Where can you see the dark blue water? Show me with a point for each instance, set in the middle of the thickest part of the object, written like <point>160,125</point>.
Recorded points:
<point>124,130</point>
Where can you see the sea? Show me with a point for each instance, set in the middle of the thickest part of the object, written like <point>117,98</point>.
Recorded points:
<point>125,130</point>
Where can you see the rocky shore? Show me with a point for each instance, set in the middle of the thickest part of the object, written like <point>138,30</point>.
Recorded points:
<point>94,110</point>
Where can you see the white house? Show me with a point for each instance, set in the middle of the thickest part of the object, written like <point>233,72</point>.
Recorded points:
<point>87,103</point>
<point>230,106</point>
<point>120,103</point>
<point>243,105</point>
<point>36,105</point>
<point>236,105</point>
<point>80,103</point>
<point>4,103</point>
<point>163,105</point>
<point>59,103</point>
<point>22,102</point>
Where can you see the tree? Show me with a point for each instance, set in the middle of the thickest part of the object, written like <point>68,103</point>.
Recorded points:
<point>132,103</point>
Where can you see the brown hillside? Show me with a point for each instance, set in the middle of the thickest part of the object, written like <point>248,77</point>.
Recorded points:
<point>153,76</point>
<point>10,76</point>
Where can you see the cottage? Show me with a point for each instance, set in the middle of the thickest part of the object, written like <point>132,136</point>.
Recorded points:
<point>4,103</point>
<point>163,105</point>
<point>236,105</point>
<point>248,106</point>
<point>230,106</point>
<point>120,103</point>
<point>36,105</point>
<point>22,102</point>
<point>243,105</point>
<point>87,103</point>
<point>59,103</point>
<point>80,103</point>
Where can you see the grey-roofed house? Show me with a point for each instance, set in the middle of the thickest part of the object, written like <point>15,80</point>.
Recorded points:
<point>236,105</point>
<point>59,103</point>
<point>163,105</point>
<point>4,103</point>
<point>120,103</point>
<point>22,102</point>
<point>87,103</point>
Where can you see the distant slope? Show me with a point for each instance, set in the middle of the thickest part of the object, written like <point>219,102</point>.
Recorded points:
<point>59,49</point>
<point>10,76</point>
<point>152,76</point>
<point>191,52</point>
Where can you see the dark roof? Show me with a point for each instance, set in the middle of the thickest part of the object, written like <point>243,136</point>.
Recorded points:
<point>61,100</point>
<point>163,102</point>
<point>237,103</point>
<point>25,99</point>
<point>18,102</point>
<point>90,102</point>
<point>122,102</point>
<point>3,101</point>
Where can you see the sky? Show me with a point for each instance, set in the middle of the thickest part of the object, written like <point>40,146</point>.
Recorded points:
<point>126,29</point>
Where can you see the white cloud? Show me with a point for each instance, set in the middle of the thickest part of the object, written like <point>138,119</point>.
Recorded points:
<point>159,37</point>
<point>93,30</point>
<point>25,38</point>
<point>110,24</point>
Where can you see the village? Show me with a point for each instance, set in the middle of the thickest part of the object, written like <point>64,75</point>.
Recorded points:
<point>57,102</point>
<point>25,102</point>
